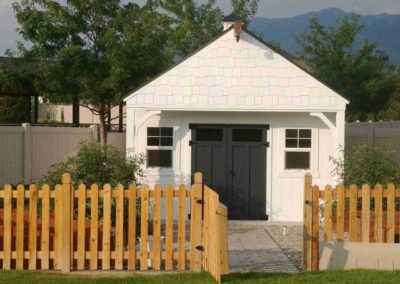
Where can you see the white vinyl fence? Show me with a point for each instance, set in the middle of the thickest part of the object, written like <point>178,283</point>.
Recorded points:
<point>27,152</point>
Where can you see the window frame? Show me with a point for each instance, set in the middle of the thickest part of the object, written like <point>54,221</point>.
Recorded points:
<point>298,148</point>
<point>160,148</point>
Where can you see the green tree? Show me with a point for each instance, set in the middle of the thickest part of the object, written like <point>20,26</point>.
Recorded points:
<point>95,50</point>
<point>95,163</point>
<point>245,9</point>
<point>16,78</point>
<point>363,164</point>
<point>360,72</point>
<point>193,25</point>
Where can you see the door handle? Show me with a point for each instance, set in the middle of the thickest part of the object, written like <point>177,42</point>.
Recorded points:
<point>232,173</point>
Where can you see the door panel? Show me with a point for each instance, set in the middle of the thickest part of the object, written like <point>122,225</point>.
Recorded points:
<point>234,166</point>
<point>258,172</point>
<point>239,197</point>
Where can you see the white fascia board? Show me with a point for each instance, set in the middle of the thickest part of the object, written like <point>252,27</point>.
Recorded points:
<point>233,109</point>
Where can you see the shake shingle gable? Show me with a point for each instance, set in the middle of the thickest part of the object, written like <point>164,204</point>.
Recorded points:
<point>225,67</point>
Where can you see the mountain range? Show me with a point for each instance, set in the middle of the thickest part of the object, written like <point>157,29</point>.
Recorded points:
<point>382,29</point>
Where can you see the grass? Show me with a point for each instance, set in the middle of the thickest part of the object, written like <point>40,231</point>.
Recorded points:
<point>350,277</point>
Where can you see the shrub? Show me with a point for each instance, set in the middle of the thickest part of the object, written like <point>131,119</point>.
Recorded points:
<point>363,164</point>
<point>99,164</point>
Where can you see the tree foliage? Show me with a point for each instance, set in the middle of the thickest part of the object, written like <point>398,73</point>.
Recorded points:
<point>193,25</point>
<point>99,164</point>
<point>245,9</point>
<point>360,72</point>
<point>363,164</point>
<point>95,50</point>
<point>16,79</point>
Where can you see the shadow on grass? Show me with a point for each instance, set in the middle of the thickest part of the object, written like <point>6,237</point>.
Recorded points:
<point>338,276</point>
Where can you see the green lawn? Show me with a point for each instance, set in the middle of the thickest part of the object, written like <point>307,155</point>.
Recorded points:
<point>351,277</point>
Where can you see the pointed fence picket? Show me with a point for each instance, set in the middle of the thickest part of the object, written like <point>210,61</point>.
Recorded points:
<point>99,228</point>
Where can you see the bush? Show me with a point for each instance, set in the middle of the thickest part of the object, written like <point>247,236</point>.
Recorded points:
<point>99,164</point>
<point>363,164</point>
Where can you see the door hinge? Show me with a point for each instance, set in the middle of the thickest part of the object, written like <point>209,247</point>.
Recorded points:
<point>266,144</point>
<point>200,201</point>
<point>191,143</point>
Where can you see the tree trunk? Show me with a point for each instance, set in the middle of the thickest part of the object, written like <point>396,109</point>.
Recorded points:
<point>103,128</point>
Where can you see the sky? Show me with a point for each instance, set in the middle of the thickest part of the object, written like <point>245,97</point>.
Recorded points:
<point>267,8</point>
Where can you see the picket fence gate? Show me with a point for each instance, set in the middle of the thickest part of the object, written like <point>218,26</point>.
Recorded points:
<point>366,214</point>
<point>101,229</point>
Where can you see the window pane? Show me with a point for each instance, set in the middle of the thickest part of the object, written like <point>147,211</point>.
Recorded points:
<point>153,141</point>
<point>167,131</point>
<point>159,158</point>
<point>305,133</point>
<point>291,133</point>
<point>305,143</point>
<point>153,131</point>
<point>297,160</point>
<point>209,134</point>
<point>166,141</point>
<point>247,135</point>
<point>291,143</point>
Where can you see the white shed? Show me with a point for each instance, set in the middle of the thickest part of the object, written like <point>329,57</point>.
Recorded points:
<point>252,120</point>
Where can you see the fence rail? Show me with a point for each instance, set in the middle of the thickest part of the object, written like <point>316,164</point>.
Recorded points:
<point>92,228</point>
<point>366,214</point>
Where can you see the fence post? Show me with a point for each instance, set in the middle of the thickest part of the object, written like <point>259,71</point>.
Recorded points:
<point>315,230</point>
<point>66,223</point>
<point>307,226</point>
<point>196,223</point>
<point>27,153</point>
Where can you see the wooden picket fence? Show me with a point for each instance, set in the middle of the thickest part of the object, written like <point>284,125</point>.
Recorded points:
<point>66,228</point>
<point>366,214</point>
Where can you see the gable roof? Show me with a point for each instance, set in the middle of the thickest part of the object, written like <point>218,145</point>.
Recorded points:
<point>196,81</point>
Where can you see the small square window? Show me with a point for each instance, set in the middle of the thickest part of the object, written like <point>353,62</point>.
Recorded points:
<point>209,134</point>
<point>305,143</point>
<point>166,131</point>
<point>153,141</point>
<point>292,133</point>
<point>305,133</point>
<point>291,143</point>
<point>298,138</point>
<point>153,131</point>
<point>297,160</point>
<point>247,135</point>
<point>166,141</point>
<point>157,136</point>
<point>159,158</point>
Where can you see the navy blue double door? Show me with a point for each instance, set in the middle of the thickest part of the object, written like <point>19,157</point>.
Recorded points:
<point>233,161</point>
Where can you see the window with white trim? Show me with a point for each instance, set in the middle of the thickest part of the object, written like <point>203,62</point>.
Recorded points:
<point>159,147</point>
<point>298,144</point>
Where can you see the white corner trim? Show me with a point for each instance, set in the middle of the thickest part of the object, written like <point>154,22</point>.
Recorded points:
<point>324,119</point>
<point>333,128</point>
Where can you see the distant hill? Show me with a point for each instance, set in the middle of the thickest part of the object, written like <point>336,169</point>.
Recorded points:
<point>383,29</point>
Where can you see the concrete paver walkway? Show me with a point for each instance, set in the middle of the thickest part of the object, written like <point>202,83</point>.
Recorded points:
<point>252,249</point>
